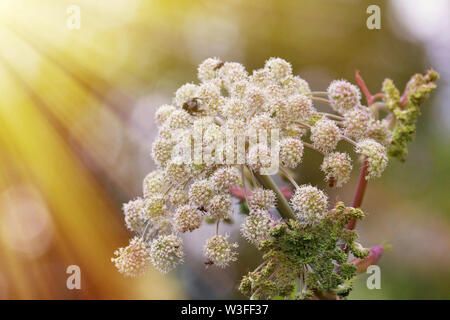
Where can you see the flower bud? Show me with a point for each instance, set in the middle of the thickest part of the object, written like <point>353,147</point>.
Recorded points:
<point>262,199</point>
<point>309,203</point>
<point>166,252</point>
<point>325,135</point>
<point>337,167</point>
<point>132,260</point>
<point>291,152</point>
<point>343,96</point>
<point>220,251</point>
<point>200,192</point>
<point>375,154</point>
<point>208,69</point>
<point>187,219</point>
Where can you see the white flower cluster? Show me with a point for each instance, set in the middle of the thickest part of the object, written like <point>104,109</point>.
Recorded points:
<point>228,99</point>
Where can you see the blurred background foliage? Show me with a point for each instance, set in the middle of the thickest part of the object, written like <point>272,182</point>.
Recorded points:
<point>76,126</point>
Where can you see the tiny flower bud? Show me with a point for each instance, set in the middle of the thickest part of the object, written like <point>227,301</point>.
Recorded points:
<point>185,93</point>
<point>133,215</point>
<point>132,260</point>
<point>291,152</point>
<point>200,192</point>
<point>166,252</point>
<point>220,206</point>
<point>376,157</point>
<point>257,225</point>
<point>293,85</point>
<point>220,251</point>
<point>259,157</point>
<point>179,119</point>
<point>162,151</point>
<point>154,206</point>
<point>225,177</point>
<point>262,199</point>
<point>356,122</point>
<point>163,113</point>
<point>325,135</point>
<point>208,69</point>
<point>337,166</point>
<point>343,95</point>
<point>279,68</point>
<point>379,131</point>
<point>187,219</point>
<point>153,183</point>
<point>309,203</point>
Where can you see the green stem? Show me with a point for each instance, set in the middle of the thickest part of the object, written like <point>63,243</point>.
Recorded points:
<point>282,203</point>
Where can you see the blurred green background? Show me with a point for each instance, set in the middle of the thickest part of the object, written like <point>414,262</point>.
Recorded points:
<point>76,126</point>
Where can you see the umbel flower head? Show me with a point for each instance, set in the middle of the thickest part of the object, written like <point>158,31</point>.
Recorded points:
<point>325,135</point>
<point>133,214</point>
<point>257,225</point>
<point>291,152</point>
<point>375,154</point>
<point>166,252</point>
<point>262,199</point>
<point>309,203</point>
<point>215,121</point>
<point>220,251</point>
<point>337,167</point>
<point>187,218</point>
<point>343,95</point>
<point>134,259</point>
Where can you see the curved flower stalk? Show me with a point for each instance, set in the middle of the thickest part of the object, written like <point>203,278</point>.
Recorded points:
<point>221,137</point>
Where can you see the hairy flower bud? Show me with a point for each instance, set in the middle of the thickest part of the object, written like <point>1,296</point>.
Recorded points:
<point>220,206</point>
<point>166,252</point>
<point>208,69</point>
<point>179,119</point>
<point>263,122</point>
<point>356,122</point>
<point>293,85</point>
<point>337,167</point>
<point>343,96</point>
<point>176,171</point>
<point>225,177</point>
<point>309,203</point>
<point>291,152</point>
<point>279,68</point>
<point>325,135</point>
<point>185,93</point>
<point>187,219</point>
<point>262,199</point>
<point>154,206</point>
<point>375,154</point>
<point>133,214</point>
<point>200,192</point>
<point>163,113</point>
<point>132,260</point>
<point>162,151</point>
<point>257,225</point>
<point>220,251</point>
<point>259,157</point>
<point>153,183</point>
<point>235,109</point>
<point>232,72</point>
<point>378,130</point>
<point>178,197</point>
<point>209,97</point>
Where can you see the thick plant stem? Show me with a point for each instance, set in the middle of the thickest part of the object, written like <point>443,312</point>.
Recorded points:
<point>359,193</point>
<point>282,204</point>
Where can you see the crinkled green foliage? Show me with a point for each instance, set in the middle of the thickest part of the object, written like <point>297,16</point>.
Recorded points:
<point>310,253</point>
<point>406,111</point>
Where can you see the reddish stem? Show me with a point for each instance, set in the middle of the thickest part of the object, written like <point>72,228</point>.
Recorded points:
<point>359,193</point>
<point>365,90</point>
